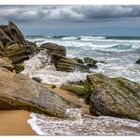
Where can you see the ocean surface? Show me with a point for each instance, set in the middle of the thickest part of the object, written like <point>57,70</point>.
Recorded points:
<point>120,55</point>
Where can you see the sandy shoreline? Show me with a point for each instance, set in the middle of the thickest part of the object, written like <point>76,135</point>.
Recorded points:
<point>14,122</point>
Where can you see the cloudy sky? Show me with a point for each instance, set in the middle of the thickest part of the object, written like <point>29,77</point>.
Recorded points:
<point>74,20</point>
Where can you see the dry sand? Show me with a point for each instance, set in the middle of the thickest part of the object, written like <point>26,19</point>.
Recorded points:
<point>14,122</point>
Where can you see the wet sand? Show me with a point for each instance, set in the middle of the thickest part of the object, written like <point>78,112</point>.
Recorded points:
<point>14,122</point>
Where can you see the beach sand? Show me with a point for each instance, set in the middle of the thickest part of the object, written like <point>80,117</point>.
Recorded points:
<point>14,122</point>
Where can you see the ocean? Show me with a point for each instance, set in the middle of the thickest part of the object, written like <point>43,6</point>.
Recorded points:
<point>120,55</point>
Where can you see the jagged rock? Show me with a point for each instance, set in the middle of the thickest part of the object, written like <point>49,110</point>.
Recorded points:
<point>4,39</point>
<point>13,44</point>
<point>117,97</point>
<point>78,60</point>
<point>20,92</point>
<point>138,61</point>
<point>13,33</point>
<point>90,62</point>
<point>54,48</point>
<point>73,88</point>
<point>67,64</point>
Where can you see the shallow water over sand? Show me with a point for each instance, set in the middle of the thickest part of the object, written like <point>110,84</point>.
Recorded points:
<point>84,125</point>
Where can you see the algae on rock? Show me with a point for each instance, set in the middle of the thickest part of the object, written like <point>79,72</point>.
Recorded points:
<point>117,97</point>
<point>73,88</point>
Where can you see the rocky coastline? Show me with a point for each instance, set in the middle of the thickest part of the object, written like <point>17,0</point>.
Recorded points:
<point>104,96</point>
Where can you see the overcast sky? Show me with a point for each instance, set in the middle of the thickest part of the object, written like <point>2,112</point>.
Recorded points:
<point>74,20</point>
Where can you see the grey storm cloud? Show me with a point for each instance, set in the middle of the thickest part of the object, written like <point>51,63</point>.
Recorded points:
<point>67,13</point>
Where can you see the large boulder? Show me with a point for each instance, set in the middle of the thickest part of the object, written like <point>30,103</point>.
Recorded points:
<point>138,61</point>
<point>67,64</point>
<point>20,92</point>
<point>53,48</point>
<point>117,97</point>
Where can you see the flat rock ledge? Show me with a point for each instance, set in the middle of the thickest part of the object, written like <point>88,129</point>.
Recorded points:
<point>20,92</point>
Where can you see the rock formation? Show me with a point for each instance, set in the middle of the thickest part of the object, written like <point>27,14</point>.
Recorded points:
<point>117,97</point>
<point>138,61</point>
<point>13,44</point>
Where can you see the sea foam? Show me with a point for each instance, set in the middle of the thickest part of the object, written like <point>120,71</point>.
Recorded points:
<point>83,125</point>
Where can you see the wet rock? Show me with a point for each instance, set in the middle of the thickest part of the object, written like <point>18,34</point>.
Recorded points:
<point>90,65</point>
<point>20,92</point>
<point>54,48</point>
<point>73,88</point>
<point>19,68</point>
<point>138,61</point>
<point>116,97</point>
<point>90,62</point>
<point>67,64</point>
<point>36,79</point>
<point>78,60</point>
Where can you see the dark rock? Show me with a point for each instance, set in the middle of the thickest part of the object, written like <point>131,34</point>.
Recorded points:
<point>90,62</point>
<point>67,64</point>
<point>78,60</point>
<point>138,61</point>
<point>117,97</point>
<point>90,65</point>
<point>54,48</point>
<point>20,92</point>
<point>52,86</point>
<point>36,79</point>
<point>18,68</point>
